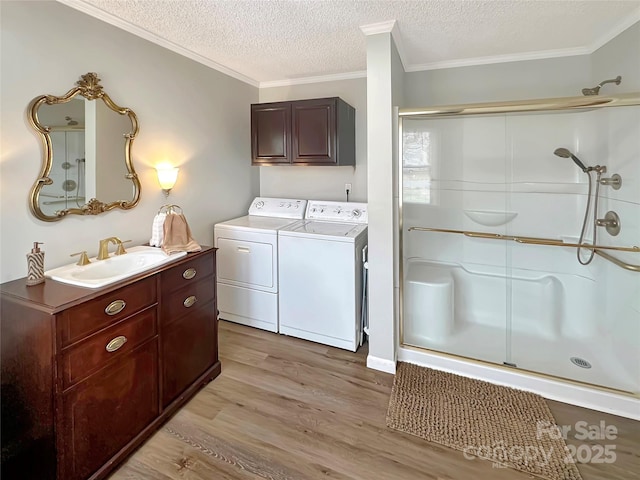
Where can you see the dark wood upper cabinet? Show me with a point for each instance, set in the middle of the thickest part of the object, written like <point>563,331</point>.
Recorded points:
<point>303,132</point>
<point>271,133</point>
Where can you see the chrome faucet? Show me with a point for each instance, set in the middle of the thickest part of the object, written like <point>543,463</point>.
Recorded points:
<point>103,250</point>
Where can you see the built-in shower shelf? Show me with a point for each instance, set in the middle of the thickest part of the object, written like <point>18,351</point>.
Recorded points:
<point>490,218</point>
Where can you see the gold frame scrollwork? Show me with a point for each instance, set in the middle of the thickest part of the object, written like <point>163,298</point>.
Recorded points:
<point>88,87</point>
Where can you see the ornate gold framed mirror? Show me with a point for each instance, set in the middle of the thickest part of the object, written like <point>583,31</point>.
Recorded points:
<point>86,140</point>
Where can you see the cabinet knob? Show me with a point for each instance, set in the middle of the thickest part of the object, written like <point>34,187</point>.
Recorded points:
<point>189,273</point>
<point>190,301</point>
<point>115,307</point>
<point>116,343</point>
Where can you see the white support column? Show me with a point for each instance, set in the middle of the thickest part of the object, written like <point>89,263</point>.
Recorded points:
<point>384,91</point>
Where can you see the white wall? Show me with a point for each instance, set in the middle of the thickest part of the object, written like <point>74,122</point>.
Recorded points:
<point>189,114</point>
<point>620,56</point>
<point>321,183</point>
<point>553,77</point>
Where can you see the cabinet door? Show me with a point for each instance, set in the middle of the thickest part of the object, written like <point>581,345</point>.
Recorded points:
<point>103,413</point>
<point>271,133</point>
<point>314,132</point>
<point>189,347</point>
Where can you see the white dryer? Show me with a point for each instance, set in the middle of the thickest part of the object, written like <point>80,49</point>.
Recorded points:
<point>247,261</point>
<point>321,272</point>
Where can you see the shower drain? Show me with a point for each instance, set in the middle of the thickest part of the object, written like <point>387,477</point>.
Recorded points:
<point>580,362</point>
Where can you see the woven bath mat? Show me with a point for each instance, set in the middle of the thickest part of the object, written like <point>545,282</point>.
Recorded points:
<point>506,426</point>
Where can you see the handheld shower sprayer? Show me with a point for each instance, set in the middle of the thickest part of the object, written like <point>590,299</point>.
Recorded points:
<point>564,153</point>
<point>595,90</point>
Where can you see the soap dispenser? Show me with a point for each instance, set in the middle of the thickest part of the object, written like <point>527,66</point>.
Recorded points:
<point>35,265</point>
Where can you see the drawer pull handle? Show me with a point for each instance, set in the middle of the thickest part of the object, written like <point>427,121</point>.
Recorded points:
<point>116,343</point>
<point>189,273</point>
<point>115,307</point>
<point>190,301</point>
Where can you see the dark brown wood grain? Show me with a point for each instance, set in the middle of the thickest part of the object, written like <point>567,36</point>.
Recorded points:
<point>72,410</point>
<point>303,132</point>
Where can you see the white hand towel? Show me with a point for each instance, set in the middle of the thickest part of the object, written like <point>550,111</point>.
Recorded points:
<point>157,230</point>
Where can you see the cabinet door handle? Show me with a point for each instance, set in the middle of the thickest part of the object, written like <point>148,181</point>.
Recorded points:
<point>190,301</point>
<point>189,273</point>
<point>115,307</point>
<point>116,343</point>
<point>244,249</point>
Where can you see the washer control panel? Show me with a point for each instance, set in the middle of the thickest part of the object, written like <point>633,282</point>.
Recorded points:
<point>277,207</point>
<point>348,212</point>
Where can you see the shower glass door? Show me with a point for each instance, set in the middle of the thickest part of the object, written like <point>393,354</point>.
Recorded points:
<point>524,304</point>
<point>456,287</point>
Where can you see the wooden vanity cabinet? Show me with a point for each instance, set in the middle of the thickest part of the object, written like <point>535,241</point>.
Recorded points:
<point>188,294</point>
<point>303,132</point>
<point>92,373</point>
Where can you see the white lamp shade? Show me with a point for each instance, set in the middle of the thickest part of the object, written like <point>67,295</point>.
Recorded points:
<point>167,177</point>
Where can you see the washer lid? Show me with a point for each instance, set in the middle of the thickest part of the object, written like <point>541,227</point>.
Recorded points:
<point>318,229</point>
<point>253,222</point>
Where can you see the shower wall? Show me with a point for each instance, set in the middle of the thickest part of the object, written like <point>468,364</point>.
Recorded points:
<point>67,189</point>
<point>531,307</point>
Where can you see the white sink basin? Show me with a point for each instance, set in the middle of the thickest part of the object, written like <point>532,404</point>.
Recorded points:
<point>117,267</point>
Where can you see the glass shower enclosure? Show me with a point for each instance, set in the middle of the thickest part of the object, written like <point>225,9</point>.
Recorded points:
<point>500,260</point>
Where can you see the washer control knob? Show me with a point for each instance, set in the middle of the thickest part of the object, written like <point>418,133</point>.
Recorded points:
<point>356,213</point>
<point>259,204</point>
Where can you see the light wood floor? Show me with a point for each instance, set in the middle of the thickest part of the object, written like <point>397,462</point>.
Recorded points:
<point>285,408</point>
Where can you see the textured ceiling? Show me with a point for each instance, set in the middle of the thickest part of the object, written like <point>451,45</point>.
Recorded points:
<point>265,41</point>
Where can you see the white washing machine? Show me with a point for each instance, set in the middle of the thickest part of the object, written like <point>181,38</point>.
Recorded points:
<point>247,261</point>
<point>321,272</point>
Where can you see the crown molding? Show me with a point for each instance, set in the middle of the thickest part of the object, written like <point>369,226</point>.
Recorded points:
<point>152,37</point>
<point>380,27</point>
<point>520,57</point>
<point>318,79</point>
<point>390,26</point>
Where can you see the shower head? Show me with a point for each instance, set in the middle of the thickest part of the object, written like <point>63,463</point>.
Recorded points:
<point>595,90</point>
<point>564,153</point>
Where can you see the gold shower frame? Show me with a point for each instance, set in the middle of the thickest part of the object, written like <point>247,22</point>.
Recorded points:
<point>537,105</point>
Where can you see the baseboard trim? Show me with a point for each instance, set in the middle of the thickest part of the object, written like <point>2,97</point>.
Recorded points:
<point>567,392</point>
<point>382,364</point>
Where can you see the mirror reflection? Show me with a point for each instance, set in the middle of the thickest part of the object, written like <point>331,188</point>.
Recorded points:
<point>87,167</point>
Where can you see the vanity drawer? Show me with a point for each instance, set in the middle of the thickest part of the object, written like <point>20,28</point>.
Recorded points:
<point>104,413</point>
<point>92,354</point>
<point>80,321</point>
<point>187,273</point>
<point>187,299</point>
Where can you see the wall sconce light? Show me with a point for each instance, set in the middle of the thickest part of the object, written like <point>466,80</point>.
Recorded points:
<point>167,177</point>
